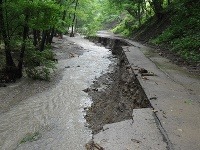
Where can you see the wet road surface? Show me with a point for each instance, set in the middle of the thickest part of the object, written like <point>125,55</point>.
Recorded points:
<point>54,119</point>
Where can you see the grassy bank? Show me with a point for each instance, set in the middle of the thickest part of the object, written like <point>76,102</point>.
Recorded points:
<point>178,30</point>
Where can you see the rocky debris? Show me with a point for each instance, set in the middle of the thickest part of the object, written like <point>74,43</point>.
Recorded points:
<point>66,49</point>
<point>153,98</point>
<point>72,55</point>
<point>145,78</point>
<point>91,145</point>
<point>67,67</point>
<point>145,72</point>
<point>86,90</point>
<point>142,70</point>
<point>148,74</point>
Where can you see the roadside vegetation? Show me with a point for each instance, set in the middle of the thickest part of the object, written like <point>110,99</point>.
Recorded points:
<point>27,29</point>
<point>183,34</point>
<point>169,24</point>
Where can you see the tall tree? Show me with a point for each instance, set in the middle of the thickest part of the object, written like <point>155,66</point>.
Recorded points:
<point>157,7</point>
<point>6,38</point>
<point>74,19</point>
<point>23,47</point>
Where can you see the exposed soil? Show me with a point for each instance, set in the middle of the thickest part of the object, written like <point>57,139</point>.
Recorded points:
<point>152,28</point>
<point>114,95</point>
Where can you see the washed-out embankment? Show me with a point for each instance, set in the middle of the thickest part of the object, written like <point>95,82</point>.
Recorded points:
<point>121,92</point>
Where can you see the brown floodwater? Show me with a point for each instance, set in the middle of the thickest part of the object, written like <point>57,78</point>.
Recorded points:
<point>54,119</point>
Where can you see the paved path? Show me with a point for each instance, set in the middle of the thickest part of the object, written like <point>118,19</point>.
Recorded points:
<point>174,95</point>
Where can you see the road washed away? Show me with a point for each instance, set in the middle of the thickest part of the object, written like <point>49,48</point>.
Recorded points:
<point>54,119</point>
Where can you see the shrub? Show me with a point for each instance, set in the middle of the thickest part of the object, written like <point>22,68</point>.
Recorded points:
<point>39,64</point>
<point>184,33</point>
<point>126,27</point>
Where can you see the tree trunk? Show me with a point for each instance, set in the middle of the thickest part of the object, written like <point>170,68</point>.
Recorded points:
<point>9,59</point>
<point>38,36</point>
<point>63,19</point>
<point>76,23</point>
<point>139,14</point>
<point>35,42</point>
<point>44,35</point>
<point>169,2</point>
<point>51,35</point>
<point>68,24</point>
<point>47,37</point>
<point>74,20</point>
<point>157,7</point>
<point>21,59</point>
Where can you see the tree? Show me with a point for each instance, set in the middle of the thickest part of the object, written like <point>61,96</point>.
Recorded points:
<point>157,7</point>
<point>74,18</point>
<point>17,19</point>
<point>6,38</point>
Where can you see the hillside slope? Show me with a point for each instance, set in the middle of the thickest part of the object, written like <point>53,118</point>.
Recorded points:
<point>178,31</point>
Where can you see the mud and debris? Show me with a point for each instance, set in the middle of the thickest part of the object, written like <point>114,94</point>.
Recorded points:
<point>114,95</point>
<point>91,145</point>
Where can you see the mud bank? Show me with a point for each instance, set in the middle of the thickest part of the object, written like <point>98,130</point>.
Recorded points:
<point>114,94</point>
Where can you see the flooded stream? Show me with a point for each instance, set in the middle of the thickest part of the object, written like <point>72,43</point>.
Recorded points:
<point>54,119</point>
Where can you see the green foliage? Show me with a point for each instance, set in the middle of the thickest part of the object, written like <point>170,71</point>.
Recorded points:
<point>126,27</point>
<point>34,15</point>
<point>90,29</point>
<point>39,64</point>
<point>129,15</point>
<point>44,15</point>
<point>88,15</point>
<point>184,33</point>
<point>38,73</point>
<point>30,137</point>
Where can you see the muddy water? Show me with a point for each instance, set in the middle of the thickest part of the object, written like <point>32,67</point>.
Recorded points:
<point>56,116</point>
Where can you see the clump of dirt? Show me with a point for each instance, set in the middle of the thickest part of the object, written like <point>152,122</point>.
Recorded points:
<point>114,95</point>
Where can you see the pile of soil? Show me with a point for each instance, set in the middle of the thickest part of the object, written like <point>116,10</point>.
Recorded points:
<point>114,95</point>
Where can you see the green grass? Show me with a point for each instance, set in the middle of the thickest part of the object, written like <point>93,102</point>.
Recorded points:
<point>30,137</point>
<point>183,36</point>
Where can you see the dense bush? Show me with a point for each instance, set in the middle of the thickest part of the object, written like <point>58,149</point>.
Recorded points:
<point>183,35</point>
<point>39,64</point>
<point>126,27</point>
